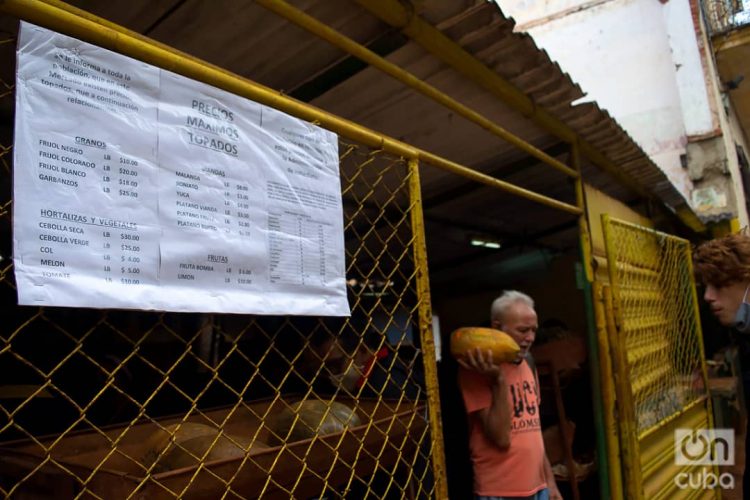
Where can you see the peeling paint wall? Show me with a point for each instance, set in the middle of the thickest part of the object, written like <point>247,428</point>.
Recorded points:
<point>694,77</point>
<point>739,139</point>
<point>649,64</point>
<point>718,191</point>
<point>715,170</point>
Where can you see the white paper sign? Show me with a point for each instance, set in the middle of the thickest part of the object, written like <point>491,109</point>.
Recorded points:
<point>138,188</point>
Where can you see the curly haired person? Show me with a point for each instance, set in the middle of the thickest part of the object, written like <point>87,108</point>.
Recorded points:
<point>722,265</point>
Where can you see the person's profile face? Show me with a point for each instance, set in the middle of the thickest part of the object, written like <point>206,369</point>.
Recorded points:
<point>520,322</point>
<point>724,301</point>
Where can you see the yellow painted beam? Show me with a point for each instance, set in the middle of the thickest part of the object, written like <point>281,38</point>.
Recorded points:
<point>345,43</point>
<point>726,227</point>
<point>431,39</point>
<point>612,429</point>
<point>691,220</point>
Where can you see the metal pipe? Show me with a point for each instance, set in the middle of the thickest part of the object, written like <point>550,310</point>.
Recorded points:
<point>425,329</point>
<point>345,43</point>
<point>497,183</point>
<point>591,330</point>
<point>612,437</point>
<point>66,19</point>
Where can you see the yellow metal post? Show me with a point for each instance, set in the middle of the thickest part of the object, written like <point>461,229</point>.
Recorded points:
<point>625,412</point>
<point>425,329</point>
<point>608,396</point>
<point>583,224</point>
<point>597,393</point>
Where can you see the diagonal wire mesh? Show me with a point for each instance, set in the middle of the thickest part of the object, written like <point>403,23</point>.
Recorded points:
<point>123,404</point>
<point>652,284</point>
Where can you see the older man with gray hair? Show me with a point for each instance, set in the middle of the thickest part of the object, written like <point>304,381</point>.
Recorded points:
<point>502,402</point>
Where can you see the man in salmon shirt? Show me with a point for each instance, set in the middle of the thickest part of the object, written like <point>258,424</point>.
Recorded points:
<point>502,402</point>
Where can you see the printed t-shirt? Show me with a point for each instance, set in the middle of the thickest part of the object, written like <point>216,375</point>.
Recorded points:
<point>519,470</point>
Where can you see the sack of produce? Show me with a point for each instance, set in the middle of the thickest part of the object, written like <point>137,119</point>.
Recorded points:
<point>504,349</point>
<point>184,446</point>
<point>310,418</point>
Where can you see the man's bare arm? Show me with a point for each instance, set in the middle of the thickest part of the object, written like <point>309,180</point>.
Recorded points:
<point>495,419</point>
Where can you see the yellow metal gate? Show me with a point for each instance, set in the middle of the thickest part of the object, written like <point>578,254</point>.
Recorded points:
<point>136,404</point>
<point>656,349</point>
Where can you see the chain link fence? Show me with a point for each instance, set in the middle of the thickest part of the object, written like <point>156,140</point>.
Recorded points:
<point>652,286</point>
<point>128,404</point>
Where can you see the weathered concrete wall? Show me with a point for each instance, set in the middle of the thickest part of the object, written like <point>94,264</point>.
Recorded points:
<point>718,191</point>
<point>694,76</point>
<point>714,168</point>
<point>619,52</point>
<point>708,167</point>
<point>649,64</point>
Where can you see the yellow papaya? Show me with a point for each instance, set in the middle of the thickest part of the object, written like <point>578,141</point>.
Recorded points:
<point>504,349</point>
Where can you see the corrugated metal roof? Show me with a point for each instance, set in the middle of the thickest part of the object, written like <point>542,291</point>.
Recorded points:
<point>482,30</point>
